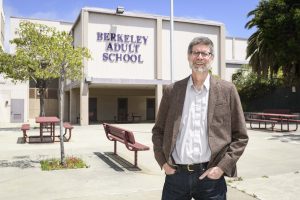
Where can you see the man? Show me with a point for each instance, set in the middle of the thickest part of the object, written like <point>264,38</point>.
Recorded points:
<point>200,131</point>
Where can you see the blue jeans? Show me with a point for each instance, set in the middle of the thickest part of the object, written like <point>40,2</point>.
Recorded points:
<point>186,185</point>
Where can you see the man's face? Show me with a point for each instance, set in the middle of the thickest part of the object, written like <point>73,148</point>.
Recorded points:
<point>200,58</point>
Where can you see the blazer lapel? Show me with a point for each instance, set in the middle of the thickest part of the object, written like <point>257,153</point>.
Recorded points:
<point>213,96</point>
<point>180,96</point>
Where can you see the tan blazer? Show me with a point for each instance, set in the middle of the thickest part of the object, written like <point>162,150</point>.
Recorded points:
<point>227,134</point>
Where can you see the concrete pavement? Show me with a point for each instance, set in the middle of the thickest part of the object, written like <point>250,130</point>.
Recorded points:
<point>269,169</point>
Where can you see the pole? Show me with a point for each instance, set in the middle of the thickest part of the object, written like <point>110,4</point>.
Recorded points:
<point>61,116</point>
<point>171,43</point>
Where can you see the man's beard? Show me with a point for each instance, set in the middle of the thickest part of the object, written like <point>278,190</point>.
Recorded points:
<point>200,69</point>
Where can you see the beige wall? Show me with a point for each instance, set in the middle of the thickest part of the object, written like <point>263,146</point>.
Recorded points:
<point>51,107</point>
<point>108,106</point>
<point>8,91</point>
<point>5,107</point>
<point>183,34</point>
<point>74,105</point>
<point>235,52</point>
<point>126,26</point>
<point>2,25</point>
<point>107,101</point>
<point>153,67</point>
<point>15,21</point>
<point>21,90</point>
<point>236,49</point>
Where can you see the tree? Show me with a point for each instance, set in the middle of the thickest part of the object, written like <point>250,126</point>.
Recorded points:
<point>275,44</point>
<point>250,87</point>
<point>43,54</point>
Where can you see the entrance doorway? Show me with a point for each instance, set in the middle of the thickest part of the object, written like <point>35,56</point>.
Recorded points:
<point>150,109</point>
<point>122,109</point>
<point>92,109</point>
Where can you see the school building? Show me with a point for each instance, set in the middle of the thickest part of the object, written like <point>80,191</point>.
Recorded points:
<point>130,65</point>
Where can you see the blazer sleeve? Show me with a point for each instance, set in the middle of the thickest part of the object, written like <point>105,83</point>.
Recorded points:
<point>238,134</point>
<point>159,128</point>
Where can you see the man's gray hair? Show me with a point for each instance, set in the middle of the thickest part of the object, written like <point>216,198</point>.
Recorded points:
<point>201,40</point>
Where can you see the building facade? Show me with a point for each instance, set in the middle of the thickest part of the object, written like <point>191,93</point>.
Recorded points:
<point>235,55</point>
<point>131,62</point>
<point>130,65</point>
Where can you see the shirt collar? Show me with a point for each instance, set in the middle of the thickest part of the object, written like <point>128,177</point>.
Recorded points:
<point>206,83</point>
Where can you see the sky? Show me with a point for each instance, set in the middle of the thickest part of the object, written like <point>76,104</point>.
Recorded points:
<point>232,13</point>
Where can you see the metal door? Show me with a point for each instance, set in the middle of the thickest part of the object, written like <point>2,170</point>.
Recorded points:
<point>17,110</point>
<point>150,109</point>
<point>122,109</point>
<point>92,109</point>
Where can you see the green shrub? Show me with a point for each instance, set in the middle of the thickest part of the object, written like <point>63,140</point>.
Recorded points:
<point>251,87</point>
<point>54,164</point>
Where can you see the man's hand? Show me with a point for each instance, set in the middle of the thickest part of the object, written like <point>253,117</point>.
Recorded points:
<point>168,170</point>
<point>212,173</point>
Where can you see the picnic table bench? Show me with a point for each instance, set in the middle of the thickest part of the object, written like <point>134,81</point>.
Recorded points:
<point>288,121</point>
<point>273,119</point>
<point>25,128</point>
<point>26,138</point>
<point>67,134</point>
<point>68,131</point>
<point>263,121</point>
<point>126,137</point>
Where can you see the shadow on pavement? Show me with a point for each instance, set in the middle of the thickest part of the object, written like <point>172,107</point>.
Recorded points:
<point>18,163</point>
<point>286,137</point>
<point>108,161</point>
<point>10,129</point>
<point>121,161</point>
<point>111,159</point>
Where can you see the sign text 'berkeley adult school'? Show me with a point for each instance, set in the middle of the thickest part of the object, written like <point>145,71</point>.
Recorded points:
<point>122,47</point>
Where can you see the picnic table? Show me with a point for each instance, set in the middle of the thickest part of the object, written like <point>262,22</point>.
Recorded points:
<point>274,118</point>
<point>47,124</point>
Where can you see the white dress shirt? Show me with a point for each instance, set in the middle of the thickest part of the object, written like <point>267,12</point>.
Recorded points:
<point>192,141</point>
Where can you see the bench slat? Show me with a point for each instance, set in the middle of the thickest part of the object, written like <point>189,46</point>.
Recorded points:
<point>284,119</point>
<point>262,120</point>
<point>139,146</point>
<point>126,137</point>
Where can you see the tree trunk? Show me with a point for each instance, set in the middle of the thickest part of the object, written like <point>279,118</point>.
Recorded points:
<point>61,116</point>
<point>42,85</point>
<point>42,101</point>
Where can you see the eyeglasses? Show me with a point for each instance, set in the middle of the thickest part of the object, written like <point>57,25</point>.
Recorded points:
<point>203,54</point>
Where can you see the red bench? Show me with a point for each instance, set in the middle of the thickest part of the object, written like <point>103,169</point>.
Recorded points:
<point>126,137</point>
<point>25,128</point>
<point>68,127</point>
